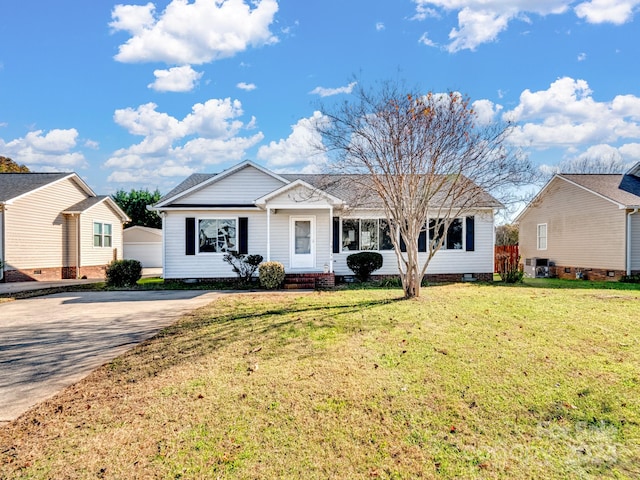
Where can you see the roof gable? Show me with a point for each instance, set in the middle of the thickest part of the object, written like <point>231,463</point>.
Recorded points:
<point>299,193</point>
<point>90,202</point>
<point>17,185</point>
<point>191,191</point>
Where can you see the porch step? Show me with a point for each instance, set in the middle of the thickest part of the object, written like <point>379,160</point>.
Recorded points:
<point>308,281</point>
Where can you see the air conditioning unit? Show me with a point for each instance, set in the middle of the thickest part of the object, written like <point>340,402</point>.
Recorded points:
<point>536,267</point>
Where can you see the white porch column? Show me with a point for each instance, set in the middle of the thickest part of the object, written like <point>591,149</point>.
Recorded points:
<point>268,234</point>
<point>331,239</point>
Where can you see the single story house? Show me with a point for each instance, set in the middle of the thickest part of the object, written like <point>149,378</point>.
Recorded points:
<point>583,226</point>
<point>303,221</point>
<point>143,244</point>
<point>53,226</point>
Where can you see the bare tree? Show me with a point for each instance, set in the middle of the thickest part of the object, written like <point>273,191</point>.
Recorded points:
<point>426,156</point>
<point>507,234</point>
<point>602,164</point>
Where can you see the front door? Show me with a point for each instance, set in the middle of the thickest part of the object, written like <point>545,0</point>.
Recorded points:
<point>303,242</point>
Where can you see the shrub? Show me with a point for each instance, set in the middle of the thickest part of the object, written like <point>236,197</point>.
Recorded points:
<point>271,274</point>
<point>123,273</point>
<point>509,268</point>
<point>363,264</point>
<point>630,278</point>
<point>244,265</point>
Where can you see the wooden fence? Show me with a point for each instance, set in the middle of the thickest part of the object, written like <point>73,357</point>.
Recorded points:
<point>505,254</point>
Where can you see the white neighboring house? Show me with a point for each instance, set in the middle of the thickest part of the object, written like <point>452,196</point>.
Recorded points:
<point>302,221</point>
<point>143,244</point>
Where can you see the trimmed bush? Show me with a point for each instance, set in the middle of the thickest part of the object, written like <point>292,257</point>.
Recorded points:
<point>271,274</point>
<point>509,269</point>
<point>244,265</point>
<point>363,264</point>
<point>123,273</point>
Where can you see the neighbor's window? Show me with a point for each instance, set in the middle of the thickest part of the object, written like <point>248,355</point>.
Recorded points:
<point>542,236</point>
<point>454,237</point>
<point>365,234</point>
<point>217,235</point>
<point>102,234</point>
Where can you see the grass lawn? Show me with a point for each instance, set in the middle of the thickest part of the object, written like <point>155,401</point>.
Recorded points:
<point>469,381</point>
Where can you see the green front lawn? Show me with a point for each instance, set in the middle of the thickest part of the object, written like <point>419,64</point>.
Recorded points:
<point>469,381</point>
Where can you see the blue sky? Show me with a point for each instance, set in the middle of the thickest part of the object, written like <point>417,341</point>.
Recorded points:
<point>141,94</point>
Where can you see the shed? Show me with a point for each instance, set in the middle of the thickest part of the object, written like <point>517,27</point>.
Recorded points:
<point>143,244</point>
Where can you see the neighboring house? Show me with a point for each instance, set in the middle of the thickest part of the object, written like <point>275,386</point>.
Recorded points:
<point>583,226</point>
<point>53,226</point>
<point>143,244</point>
<point>303,221</point>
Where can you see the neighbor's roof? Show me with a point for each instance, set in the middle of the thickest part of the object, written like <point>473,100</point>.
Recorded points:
<point>13,185</point>
<point>621,189</point>
<point>90,202</point>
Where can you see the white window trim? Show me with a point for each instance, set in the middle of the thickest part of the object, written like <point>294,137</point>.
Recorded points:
<point>538,237</point>
<point>197,236</point>
<point>102,234</point>
<point>359,219</point>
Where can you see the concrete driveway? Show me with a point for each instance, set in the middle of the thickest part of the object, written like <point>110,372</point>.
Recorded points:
<point>48,343</point>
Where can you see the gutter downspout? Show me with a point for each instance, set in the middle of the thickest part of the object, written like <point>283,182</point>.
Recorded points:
<point>635,210</point>
<point>163,216</point>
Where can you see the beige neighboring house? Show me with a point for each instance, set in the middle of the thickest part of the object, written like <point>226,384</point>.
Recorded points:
<point>143,244</point>
<point>583,226</point>
<point>53,226</point>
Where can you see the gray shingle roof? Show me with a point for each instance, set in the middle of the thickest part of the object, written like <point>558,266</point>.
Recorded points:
<point>190,182</point>
<point>355,189</point>
<point>622,189</point>
<point>85,204</point>
<point>13,185</point>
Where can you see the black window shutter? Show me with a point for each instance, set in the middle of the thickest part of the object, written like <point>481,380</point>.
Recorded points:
<point>470,234</point>
<point>403,246</point>
<point>190,236</point>
<point>243,235</point>
<point>422,241</point>
<point>336,234</point>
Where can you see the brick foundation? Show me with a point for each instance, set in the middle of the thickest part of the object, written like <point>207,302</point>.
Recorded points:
<point>433,278</point>
<point>53,273</point>
<point>583,273</point>
<point>316,281</point>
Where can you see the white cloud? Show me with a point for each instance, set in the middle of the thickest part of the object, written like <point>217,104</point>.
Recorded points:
<point>482,21</point>
<point>299,151</point>
<point>246,86</point>
<point>210,134</point>
<point>424,39</point>
<point>582,57</point>
<point>193,33</point>
<point>176,79</point>
<point>379,26</point>
<point>52,151</point>
<point>607,11</point>
<point>327,92</point>
<point>566,115</point>
<point>486,111</point>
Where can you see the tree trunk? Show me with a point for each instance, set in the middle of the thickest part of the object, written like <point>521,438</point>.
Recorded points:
<point>411,282</point>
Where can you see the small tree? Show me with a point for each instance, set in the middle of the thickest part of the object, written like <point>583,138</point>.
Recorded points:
<point>134,204</point>
<point>244,265</point>
<point>363,264</point>
<point>9,166</point>
<point>425,156</point>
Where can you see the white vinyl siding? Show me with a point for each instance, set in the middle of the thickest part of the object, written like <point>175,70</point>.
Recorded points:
<point>143,244</point>
<point>36,233</point>
<point>445,261</point>
<point>240,188</point>
<point>635,241</point>
<point>583,229</point>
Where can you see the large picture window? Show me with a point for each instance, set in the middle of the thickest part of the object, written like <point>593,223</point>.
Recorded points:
<point>217,235</point>
<point>365,234</point>
<point>102,234</point>
<point>454,237</point>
